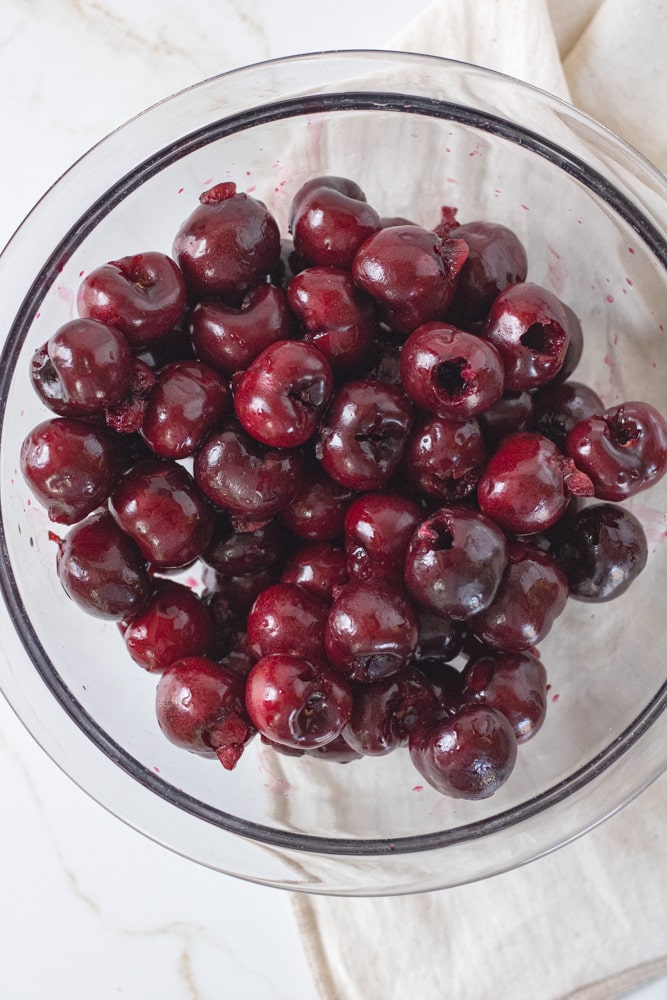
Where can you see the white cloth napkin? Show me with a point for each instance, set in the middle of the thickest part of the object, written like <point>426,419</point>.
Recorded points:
<point>590,920</point>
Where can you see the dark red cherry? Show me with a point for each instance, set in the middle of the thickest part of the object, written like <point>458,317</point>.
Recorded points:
<point>329,219</point>
<point>317,512</point>
<point>159,506</point>
<point>455,562</point>
<point>527,484</point>
<point>529,327</point>
<point>188,401</point>
<point>240,591</point>
<point>70,466</point>
<point>411,273</point>
<point>229,338</point>
<point>84,367</point>
<point>602,549</point>
<point>127,415</point>
<point>623,449</point>
<point>378,529</point>
<point>238,660</point>
<point>173,346</point>
<point>575,347</point>
<point>469,755</point>
<point>296,702</point>
<point>200,707</point>
<point>286,618</point>
<point>510,414</point>
<point>444,458</point>
<point>228,243</point>
<point>280,397</point>
<point>441,639</point>
<point>363,434</point>
<point>496,259</point>
<point>385,712</point>
<point>288,266</point>
<point>558,406</point>
<point>372,630</point>
<point>102,569</point>
<point>515,684</point>
<point>141,296</point>
<point>450,373</point>
<point>175,623</point>
<point>338,751</point>
<point>532,594</point>
<point>320,568</point>
<point>239,552</point>
<point>244,477</point>
<point>338,317</point>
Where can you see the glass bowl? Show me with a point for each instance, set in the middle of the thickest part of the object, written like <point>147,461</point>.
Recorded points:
<point>416,133</point>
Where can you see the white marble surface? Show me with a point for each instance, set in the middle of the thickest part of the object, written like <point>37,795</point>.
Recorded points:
<point>89,908</point>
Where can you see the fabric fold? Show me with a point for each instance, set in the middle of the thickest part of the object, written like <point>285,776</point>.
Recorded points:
<point>588,922</point>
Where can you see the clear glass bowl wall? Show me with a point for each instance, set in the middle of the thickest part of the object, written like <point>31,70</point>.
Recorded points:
<point>416,133</point>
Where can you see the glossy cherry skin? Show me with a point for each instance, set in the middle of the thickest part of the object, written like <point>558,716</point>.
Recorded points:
<point>289,265</point>
<point>188,401</point>
<point>469,755</point>
<point>102,569</point>
<point>238,660</point>
<point>575,347</point>
<point>372,630</point>
<point>280,397</point>
<point>142,296</point>
<point>240,591</point>
<point>228,243</point>
<point>411,273</point>
<point>317,512</point>
<point>329,219</point>
<point>455,562</point>
<point>338,317</point>
<point>444,458</point>
<point>515,684</point>
<point>320,568</point>
<point>70,466</point>
<point>532,594</point>
<point>451,373</point>
<point>441,639</point>
<point>623,449</point>
<point>82,368</point>
<point>172,346</point>
<point>383,361</point>
<point>127,415</point>
<point>296,702</point>
<point>286,618</point>
<point>238,552</point>
<point>363,434</point>
<point>229,338</point>
<point>512,413</point>
<point>527,484</point>
<point>385,712</point>
<point>338,751</point>
<point>245,478</point>
<point>200,707</point>
<point>558,406</point>
<point>529,327</point>
<point>378,529</point>
<point>496,258</point>
<point>159,506</point>
<point>602,549</point>
<point>175,623</point>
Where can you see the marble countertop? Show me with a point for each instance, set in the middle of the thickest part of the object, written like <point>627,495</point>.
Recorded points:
<point>89,907</point>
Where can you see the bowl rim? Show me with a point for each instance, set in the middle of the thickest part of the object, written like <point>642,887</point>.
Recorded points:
<point>253,117</point>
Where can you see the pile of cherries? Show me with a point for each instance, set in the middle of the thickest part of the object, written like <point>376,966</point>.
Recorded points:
<point>367,439</point>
